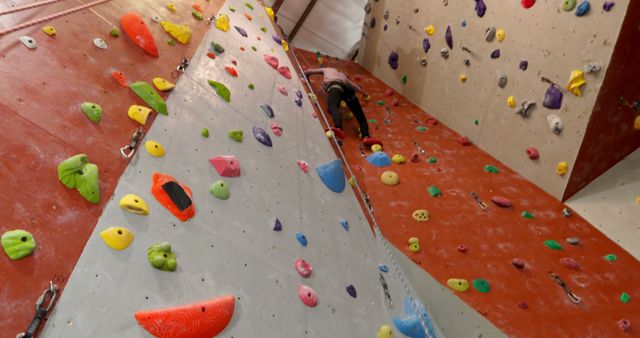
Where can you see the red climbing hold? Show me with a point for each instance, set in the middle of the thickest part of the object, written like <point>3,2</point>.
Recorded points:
<point>533,153</point>
<point>119,76</point>
<point>197,320</point>
<point>211,55</point>
<point>388,92</point>
<point>431,121</point>
<point>518,263</point>
<point>464,140</point>
<point>235,63</point>
<point>500,201</point>
<point>358,78</point>
<point>137,30</point>
<point>369,141</point>
<point>528,3</point>
<point>174,196</point>
<point>462,248</point>
<point>395,102</point>
<point>271,60</point>
<point>232,71</point>
<point>415,157</point>
<point>284,71</point>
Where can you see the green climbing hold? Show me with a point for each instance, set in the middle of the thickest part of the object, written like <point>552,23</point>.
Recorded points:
<point>204,132</point>
<point>491,169</point>
<point>380,103</point>
<point>404,79</point>
<point>248,5</point>
<point>433,159</point>
<point>263,29</point>
<point>625,298</point>
<point>528,215</point>
<point>421,128</point>
<point>373,121</point>
<point>251,86</point>
<point>434,191</point>
<point>115,32</point>
<point>235,134</point>
<point>197,15</point>
<point>610,258</point>
<point>476,122</point>
<point>161,257</point>
<point>76,172</point>
<point>552,244</point>
<point>217,48</point>
<point>254,48</point>
<point>221,89</point>
<point>92,110</point>
<point>482,285</point>
<point>220,190</point>
<point>17,243</point>
<point>318,54</point>
<point>171,42</point>
<point>232,9</point>
<point>150,96</point>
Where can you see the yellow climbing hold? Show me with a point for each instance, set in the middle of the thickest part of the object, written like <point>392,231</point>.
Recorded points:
<point>343,104</point>
<point>139,113</point>
<point>385,331</point>
<point>414,244</point>
<point>430,30</point>
<point>638,199</point>
<point>352,181</point>
<point>376,148</point>
<point>270,12</point>
<point>576,81</point>
<point>636,123</point>
<point>462,77</point>
<point>154,148</point>
<point>222,22</point>
<point>182,33</point>
<point>285,45</point>
<point>134,204</point>
<point>562,168</point>
<point>500,35</point>
<point>398,159</point>
<point>49,30</point>
<point>349,115</point>
<point>511,102</point>
<point>117,238</point>
<point>162,84</point>
<point>171,7</point>
<point>329,133</point>
<point>420,215</point>
<point>460,285</point>
<point>390,178</point>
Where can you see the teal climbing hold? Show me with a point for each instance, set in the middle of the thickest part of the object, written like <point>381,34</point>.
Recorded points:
<point>625,298</point>
<point>421,128</point>
<point>380,103</point>
<point>221,89</point>
<point>332,175</point>
<point>433,160</point>
<point>610,258</point>
<point>491,169</point>
<point>92,110</point>
<point>527,214</point>
<point>150,96</point>
<point>434,191</point>
<point>482,285</point>
<point>552,244</point>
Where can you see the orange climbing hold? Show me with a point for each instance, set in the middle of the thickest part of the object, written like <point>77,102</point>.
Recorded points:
<point>197,8</point>
<point>119,76</point>
<point>249,17</point>
<point>137,30</point>
<point>174,196</point>
<point>204,319</point>
<point>232,71</point>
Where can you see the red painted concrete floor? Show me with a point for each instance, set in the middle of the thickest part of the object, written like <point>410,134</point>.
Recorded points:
<point>42,125</point>
<point>493,237</point>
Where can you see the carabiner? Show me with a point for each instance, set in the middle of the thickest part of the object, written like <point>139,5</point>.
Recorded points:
<point>481,204</point>
<point>128,150</point>
<point>43,306</point>
<point>572,296</point>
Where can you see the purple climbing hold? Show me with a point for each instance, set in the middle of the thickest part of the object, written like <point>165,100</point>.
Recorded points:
<point>262,136</point>
<point>351,290</point>
<point>299,93</point>
<point>385,27</point>
<point>495,54</point>
<point>267,110</point>
<point>552,98</point>
<point>277,39</point>
<point>481,8</point>
<point>524,64</point>
<point>426,45</point>
<point>393,60</point>
<point>373,22</point>
<point>298,102</point>
<point>448,37</point>
<point>241,31</point>
<point>608,5</point>
<point>277,225</point>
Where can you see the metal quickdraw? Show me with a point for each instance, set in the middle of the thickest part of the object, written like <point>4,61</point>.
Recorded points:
<point>130,149</point>
<point>574,299</point>
<point>43,306</point>
<point>385,289</point>
<point>210,20</point>
<point>481,203</point>
<point>368,202</point>
<point>181,68</point>
<point>420,150</point>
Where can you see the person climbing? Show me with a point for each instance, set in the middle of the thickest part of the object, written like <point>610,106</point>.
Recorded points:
<point>339,88</point>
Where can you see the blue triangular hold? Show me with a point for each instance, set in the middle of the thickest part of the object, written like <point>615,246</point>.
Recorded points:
<point>332,175</point>
<point>379,159</point>
<point>410,324</point>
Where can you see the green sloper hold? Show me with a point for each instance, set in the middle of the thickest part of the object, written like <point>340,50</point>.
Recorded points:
<point>552,244</point>
<point>433,159</point>
<point>76,172</point>
<point>528,215</point>
<point>235,134</point>
<point>220,189</point>
<point>625,298</point>
<point>17,243</point>
<point>373,121</point>
<point>232,9</point>
<point>610,258</point>
<point>404,79</point>
<point>171,42</point>
<point>254,48</point>
<point>434,191</point>
<point>92,110</point>
<point>217,48</point>
<point>221,89</point>
<point>251,86</point>
<point>197,15</point>
<point>248,5</point>
<point>482,285</point>
<point>150,96</point>
<point>491,169</point>
<point>161,257</point>
<point>204,132</point>
<point>476,122</point>
<point>263,29</point>
<point>421,128</point>
<point>380,103</point>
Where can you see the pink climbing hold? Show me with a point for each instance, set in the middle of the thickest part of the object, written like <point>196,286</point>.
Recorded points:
<point>533,153</point>
<point>276,129</point>
<point>358,78</point>
<point>307,296</point>
<point>271,60</point>
<point>462,248</point>
<point>518,263</point>
<point>569,263</point>
<point>304,166</point>
<point>527,3</point>
<point>235,63</point>
<point>226,166</point>
<point>303,267</point>
<point>464,140</point>
<point>283,90</point>
<point>388,92</point>
<point>284,71</point>
<point>500,201</point>
<point>395,102</point>
<point>624,325</point>
<point>415,157</point>
<point>431,121</point>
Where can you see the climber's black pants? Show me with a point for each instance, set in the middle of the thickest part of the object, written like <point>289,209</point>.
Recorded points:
<point>340,92</point>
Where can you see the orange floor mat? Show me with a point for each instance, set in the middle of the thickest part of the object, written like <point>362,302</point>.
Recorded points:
<point>492,237</point>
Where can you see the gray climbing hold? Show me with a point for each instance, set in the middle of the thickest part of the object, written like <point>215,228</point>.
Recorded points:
<point>525,109</point>
<point>502,80</point>
<point>444,52</point>
<point>490,34</point>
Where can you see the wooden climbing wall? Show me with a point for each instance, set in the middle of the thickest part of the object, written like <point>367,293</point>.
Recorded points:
<point>42,125</point>
<point>493,237</point>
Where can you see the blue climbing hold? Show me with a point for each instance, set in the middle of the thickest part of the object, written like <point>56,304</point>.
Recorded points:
<point>410,323</point>
<point>383,268</point>
<point>241,31</point>
<point>332,175</point>
<point>426,45</point>
<point>277,225</point>
<point>379,159</point>
<point>301,238</point>
<point>351,290</point>
<point>584,8</point>
<point>345,224</point>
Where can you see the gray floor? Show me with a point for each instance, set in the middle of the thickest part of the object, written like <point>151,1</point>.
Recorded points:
<point>229,246</point>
